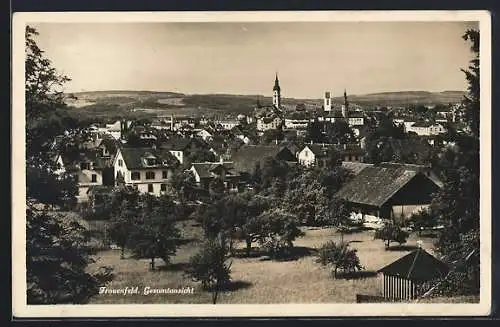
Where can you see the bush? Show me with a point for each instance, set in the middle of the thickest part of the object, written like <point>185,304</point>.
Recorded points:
<point>391,233</point>
<point>339,256</point>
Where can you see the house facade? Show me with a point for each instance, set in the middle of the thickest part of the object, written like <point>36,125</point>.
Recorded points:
<point>147,169</point>
<point>205,172</point>
<point>87,169</point>
<point>426,128</point>
<point>268,123</point>
<point>314,154</point>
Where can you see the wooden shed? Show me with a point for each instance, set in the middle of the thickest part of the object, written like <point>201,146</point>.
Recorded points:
<point>410,276</point>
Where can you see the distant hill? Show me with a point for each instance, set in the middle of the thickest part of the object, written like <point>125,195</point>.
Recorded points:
<point>406,97</point>
<point>122,102</point>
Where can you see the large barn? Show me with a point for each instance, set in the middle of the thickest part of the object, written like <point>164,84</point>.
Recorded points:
<point>389,191</point>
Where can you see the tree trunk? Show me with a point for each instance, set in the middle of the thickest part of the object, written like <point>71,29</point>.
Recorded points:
<point>152,264</point>
<point>231,241</point>
<point>249,246</point>
<point>215,293</point>
<point>387,244</point>
<point>122,253</point>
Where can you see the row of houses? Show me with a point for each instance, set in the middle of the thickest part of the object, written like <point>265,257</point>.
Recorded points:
<point>386,190</point>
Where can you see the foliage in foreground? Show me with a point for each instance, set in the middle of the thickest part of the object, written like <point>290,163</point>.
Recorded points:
<point>57,257</point>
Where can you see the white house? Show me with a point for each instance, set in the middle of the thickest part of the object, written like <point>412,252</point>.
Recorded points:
<point>268,123</point>
<point>227,124</point>
<point>244,138</point>
<point>87,170</point>
<point>115,129</point>
<point>424,128</point>
<point>356,118</point>
<point>312,154</point>
<point>147,169</point>
<point>291,123</point>
<point>205,135</point>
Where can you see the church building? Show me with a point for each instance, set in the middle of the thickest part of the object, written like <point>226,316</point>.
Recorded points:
<point>270,117</point>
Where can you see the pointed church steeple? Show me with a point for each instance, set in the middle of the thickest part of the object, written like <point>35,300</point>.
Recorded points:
<point>276,83</point>
<point>276,92</point>
<point>345,107</point>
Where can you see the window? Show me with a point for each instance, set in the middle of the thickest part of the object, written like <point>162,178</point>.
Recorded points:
<point>150,175</point>
<point>120,162</point>
<point>150,188</point>
<point>135,175</point>
<point>84,165</point>
<point>151,161</point>
<point>94,178</point>
<point>164,174</point>
<point>163,187</point>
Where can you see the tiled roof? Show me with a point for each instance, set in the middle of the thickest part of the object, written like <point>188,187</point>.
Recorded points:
<point>247,156</point>
<point>133,157</point>
<point>207,169</point>
<point>375,185</point>
<point>176,144</point>
<point>422,124</point>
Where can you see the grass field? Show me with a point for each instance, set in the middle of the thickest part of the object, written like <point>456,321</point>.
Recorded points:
<point>258,279</point>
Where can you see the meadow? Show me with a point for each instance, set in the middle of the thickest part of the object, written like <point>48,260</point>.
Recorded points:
<point>258,279</point>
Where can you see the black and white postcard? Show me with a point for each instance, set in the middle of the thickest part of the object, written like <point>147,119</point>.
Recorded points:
<point>251,164</point>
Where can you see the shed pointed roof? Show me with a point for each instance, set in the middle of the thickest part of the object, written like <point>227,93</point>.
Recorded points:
<point>416,265</point>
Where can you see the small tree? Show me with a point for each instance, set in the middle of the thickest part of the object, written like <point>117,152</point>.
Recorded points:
<point>423,219</point>
<point>210,267</point>
<point>216,187</point>
<point>121,225</point>
<point>391,232</point>
<point>339,256</point>
<point>277,230</point>
<point>155,234</point>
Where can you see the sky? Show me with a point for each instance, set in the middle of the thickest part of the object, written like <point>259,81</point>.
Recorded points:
<point>242,58</point>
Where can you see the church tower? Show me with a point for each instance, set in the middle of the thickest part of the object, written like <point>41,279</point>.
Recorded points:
<point>345,106</point>
<point>276,92</point>
<point>327,102</point>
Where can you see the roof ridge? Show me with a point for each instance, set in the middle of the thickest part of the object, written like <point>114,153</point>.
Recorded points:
<point>417,252</point>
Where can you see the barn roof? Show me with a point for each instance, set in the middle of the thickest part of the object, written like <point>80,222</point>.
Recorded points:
<point>417,265</point>
<point>375,185</point>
